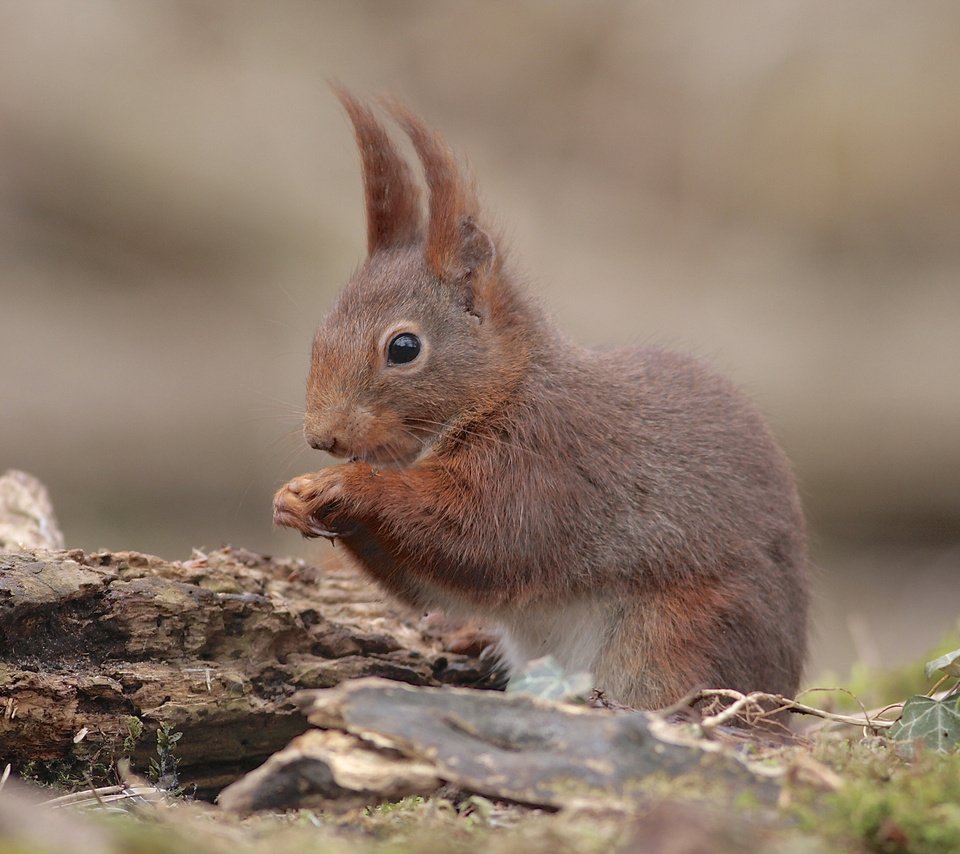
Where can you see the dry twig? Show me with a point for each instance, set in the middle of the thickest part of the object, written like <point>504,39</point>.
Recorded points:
<point>759,705</point>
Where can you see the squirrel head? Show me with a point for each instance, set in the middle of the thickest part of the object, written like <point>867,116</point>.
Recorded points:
<point>428,329</point>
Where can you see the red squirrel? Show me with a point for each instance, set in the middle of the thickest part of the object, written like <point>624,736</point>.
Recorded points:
<point>625,511</point>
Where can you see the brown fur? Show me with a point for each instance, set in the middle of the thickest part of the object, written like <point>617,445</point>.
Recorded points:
<point>627,511</point>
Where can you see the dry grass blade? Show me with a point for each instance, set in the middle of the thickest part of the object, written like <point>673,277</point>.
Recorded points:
<point>100,797</point>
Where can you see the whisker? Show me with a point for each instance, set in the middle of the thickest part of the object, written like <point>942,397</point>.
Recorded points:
<point>287,437</point>
<point>273,408</point>
<point>288,418</point>
<point>485,436</point>
<point>279,456</point>
<point>278,401</point>
<point>411,434</point>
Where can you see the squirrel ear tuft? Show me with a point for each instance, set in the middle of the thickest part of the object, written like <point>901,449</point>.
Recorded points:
<point>456,246</point>
<point>392,196</point>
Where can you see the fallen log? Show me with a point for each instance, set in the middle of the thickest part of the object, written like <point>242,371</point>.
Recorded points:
<point>380,740</point>
<point>98,651</point>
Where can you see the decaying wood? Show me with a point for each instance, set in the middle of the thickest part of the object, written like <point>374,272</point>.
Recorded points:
<point>330,767</point>
<point>27,520</point>
<point>212,647</point>
<point>510,747</point>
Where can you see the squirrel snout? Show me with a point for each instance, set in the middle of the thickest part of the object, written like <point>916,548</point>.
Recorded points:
<point>338,430</point>
<point>325,443</point>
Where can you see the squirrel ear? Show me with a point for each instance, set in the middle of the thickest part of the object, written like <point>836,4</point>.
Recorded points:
<point>392,196</point>
<point>474,251</point>
<point>456,246</point>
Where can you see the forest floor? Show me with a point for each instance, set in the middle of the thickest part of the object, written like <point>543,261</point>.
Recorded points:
<point>878,803</point>
<point>144,686</point>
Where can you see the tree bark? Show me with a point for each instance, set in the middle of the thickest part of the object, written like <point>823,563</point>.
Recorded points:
<point>378,740</point>
<point>94,645</point>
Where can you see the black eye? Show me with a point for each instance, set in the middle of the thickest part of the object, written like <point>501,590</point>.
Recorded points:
<point>404,348</point>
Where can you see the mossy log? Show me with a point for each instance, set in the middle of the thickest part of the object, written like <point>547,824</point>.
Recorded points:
<point>96,647</point>
<point>378,740</point>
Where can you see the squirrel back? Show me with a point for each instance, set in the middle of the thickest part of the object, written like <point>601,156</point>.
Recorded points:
<point>627,511</point>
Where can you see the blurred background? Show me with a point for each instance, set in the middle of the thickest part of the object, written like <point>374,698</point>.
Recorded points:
<point>775,186</point>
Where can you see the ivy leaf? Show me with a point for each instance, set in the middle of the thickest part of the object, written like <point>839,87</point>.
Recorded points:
<point>546,679</point>
<point>949,664</point>
<point>934,722</point>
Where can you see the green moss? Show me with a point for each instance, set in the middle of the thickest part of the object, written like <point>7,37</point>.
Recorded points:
<point>92,763</point>
<point>408,804</point>
<point>71,774</point>
<point>746,801</point>
<point>886,804</point>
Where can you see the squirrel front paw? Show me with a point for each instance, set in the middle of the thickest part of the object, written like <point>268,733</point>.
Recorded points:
<point>313,504</point>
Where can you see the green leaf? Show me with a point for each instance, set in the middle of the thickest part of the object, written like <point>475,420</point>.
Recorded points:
<point>546,679</point>
<point>934,722</point>
<point>949,664</point>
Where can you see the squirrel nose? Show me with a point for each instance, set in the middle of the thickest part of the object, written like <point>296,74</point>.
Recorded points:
<point>319,444</point>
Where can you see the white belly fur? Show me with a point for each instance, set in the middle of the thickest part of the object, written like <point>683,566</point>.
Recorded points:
<point>573,634</point>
